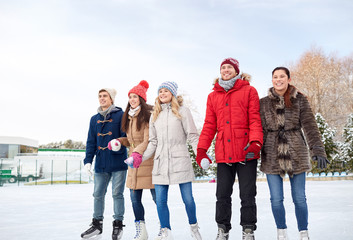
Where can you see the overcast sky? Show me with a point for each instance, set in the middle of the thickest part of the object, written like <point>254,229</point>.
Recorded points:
<point>56,55</point>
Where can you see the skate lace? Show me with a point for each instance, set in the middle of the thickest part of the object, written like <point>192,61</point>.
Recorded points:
<point>221,235</point>
<point>248,235</point>
<point>138,230</point>
<point>160,232</point>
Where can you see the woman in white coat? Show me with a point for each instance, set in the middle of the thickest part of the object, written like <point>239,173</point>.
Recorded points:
<point>171,126</point>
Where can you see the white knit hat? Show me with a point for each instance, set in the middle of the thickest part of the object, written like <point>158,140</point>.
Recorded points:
<point>111,91</point>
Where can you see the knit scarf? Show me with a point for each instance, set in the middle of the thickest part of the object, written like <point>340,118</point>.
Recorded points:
<point>105,112</point>
<point>227,85</point>
<point>133,111</point>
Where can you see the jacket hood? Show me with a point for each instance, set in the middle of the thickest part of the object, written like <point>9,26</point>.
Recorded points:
<point>244,76</point>
<point>245,79</point>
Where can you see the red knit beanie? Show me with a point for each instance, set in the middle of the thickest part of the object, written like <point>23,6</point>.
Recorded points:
<point>140,89</point>
<point>232,62</point>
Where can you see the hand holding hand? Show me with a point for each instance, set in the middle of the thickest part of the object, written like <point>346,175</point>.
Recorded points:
<point>88,167</point>
<point>253,150</point>
<point>202,159</point>
<point>137,159</point>
<point>321,161</point>
<point>129,161</point>
<point>114,145</point>
<point>134,160</point>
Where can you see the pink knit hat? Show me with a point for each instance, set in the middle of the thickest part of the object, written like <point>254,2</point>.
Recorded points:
<point>232,62</point>
<point>140,89</point>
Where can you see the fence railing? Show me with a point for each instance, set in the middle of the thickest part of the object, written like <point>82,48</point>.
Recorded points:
<point>42,171</point>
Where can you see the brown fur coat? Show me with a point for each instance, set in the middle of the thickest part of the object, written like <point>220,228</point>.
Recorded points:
<point>285,149</point>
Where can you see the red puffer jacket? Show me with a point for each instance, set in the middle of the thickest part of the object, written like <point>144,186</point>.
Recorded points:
<point>235,117</point>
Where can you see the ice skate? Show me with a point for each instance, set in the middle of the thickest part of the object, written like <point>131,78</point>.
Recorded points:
<point>282,234</point>
<point>195,231</point>
<point>166,234</point>
<point>248,234</point>
<point>222,235</point>
<point>304,235</point>
<point>117,233</point>
<point>141,231</point>
<point>95,229</point>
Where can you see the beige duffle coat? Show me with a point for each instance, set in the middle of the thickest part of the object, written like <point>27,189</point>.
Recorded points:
<point>168,138</point>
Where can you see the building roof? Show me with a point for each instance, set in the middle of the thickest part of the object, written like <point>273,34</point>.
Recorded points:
<point>19,141</point>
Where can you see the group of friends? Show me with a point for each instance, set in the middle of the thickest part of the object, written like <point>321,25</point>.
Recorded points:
<point>280,128</point>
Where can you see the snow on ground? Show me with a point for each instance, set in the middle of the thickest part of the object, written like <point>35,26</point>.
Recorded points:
<point>64,211</point>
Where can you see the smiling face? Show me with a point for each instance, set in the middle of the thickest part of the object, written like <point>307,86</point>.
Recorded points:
<point>104,100</point>
<point>164,95</point>
<point>280,81</point>
<point>134,100</point>
<point>228,72</point>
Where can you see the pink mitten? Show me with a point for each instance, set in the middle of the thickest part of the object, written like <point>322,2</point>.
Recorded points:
<point>137,159</point>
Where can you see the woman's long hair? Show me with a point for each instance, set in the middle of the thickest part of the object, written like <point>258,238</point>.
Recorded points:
<point>143,116</point>
<point>176,103</point>
<point>288,92</point>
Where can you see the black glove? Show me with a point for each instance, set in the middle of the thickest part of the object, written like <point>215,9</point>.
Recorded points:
<point>321,161</point>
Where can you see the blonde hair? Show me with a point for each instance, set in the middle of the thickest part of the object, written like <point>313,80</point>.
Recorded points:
<point>176,103</point>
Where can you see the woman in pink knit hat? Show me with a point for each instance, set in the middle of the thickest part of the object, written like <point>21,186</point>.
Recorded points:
<point>135,122</point>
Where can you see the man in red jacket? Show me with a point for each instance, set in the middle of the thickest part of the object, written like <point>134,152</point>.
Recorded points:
<point>233,112</point>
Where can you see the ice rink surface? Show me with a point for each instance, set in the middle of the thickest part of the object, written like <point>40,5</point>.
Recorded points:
<point>52,212</point>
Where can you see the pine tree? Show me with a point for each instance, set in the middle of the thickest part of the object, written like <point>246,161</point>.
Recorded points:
<point>347,149</point>
<point>331,147</point>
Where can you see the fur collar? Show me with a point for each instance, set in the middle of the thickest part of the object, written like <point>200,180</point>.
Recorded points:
<point>273,95</point>
<point>244,76</point>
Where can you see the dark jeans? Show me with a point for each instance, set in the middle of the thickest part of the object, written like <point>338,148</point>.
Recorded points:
<point>139,210</point>
<point>247,190</point>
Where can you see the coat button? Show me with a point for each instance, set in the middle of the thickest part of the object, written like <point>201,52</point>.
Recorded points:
<point>228,140</point>
<point>226,104</point>
<point>228,122</point>
<point>246,133</point>
<point>230,158</point>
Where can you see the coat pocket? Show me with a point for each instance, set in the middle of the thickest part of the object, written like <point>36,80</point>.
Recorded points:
<point>155,169</point>
<point>241,137</point>
<point>181,162</point>
<point>219,147</point>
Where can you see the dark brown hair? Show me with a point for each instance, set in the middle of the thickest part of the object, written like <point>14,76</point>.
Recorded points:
<point>287,94</point>
<point>143,117</point>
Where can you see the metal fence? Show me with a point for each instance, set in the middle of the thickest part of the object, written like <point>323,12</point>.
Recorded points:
<point>42,171</point>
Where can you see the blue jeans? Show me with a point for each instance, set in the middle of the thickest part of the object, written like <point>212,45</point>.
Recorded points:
<point>101,182</point>
<point>136,196</point>
<point>162,203</point>
<point>297,182</point>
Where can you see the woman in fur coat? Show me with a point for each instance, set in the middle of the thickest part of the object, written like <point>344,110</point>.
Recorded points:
<point>291,136</point>
<point>135,122</point>
<point>171,126</point>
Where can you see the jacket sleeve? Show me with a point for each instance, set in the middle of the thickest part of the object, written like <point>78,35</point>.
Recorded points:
<point>190,129</point>
<point>209,127</point>
<point>91,144</point>
<point>310,129</point>
<point>142,146</point>
<point>263,120</point>
<point>124,141</point>
<point>255,126</point>
<point>152,141</point>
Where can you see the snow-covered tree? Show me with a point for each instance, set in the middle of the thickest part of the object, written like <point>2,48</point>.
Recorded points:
<point>331,147</point>
<point>347,151</point>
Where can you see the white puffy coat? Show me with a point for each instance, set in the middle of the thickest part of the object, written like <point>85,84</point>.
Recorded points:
<point>168,138</point>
